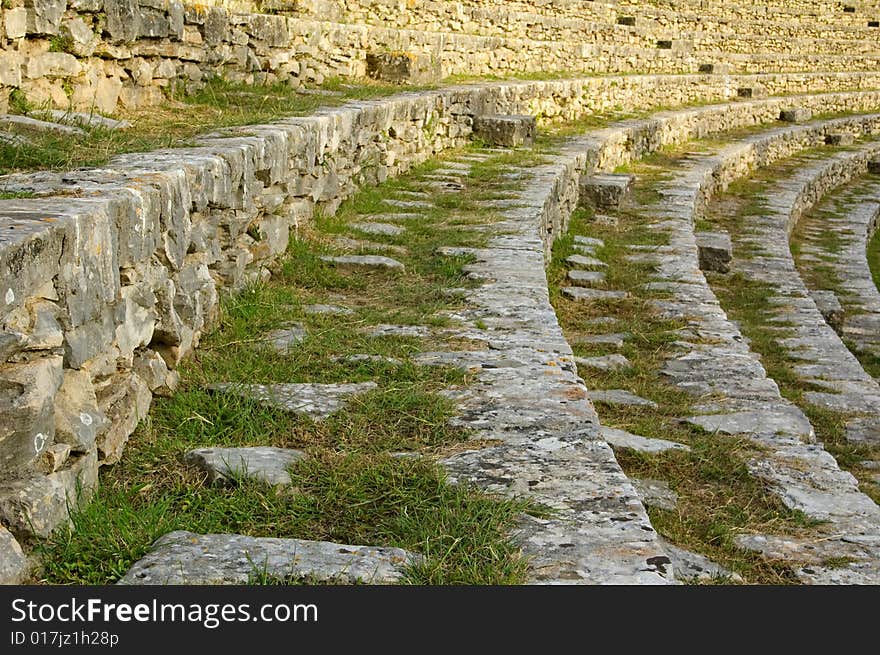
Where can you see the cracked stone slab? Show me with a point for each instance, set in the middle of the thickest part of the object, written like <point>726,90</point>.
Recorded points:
<point>386,229</point>
<point>15,122</point>
<point>263,463</point>
<point>284,339</point>
<point>589,241</point>
<point>386,218</point>
<point>603,363</point>
<point>693,567</point>
<point>83,119</point>
<point>583,293</point>
<point>620,397</point>
<point>624,439</point>
<point>182,557</point>
<point>344,243</point>
<point>409,204</point>
<point>328,310</point>
<point>370,262</point>
<point>317,401</point>
<point>614,340</point>
<point>385,330</point>
<point>363,357</point>
<point>756,422</point>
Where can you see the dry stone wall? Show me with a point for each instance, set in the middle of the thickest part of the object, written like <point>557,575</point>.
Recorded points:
<point>106,54</point>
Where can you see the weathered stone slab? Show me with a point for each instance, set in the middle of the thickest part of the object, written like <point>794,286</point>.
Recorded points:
<point>715,251</point>
<point>327,309</point>
<point>586,278</point>
<point>624,439</point>
<point>603,363</point>
<point>864,430</point>
<point>386,229</point>
<point>384,330</point>
<point>693,567</point>
<point>23,123</point>
<point>263,463</point>
<point>589,241</point>
<point>13,563</point>
<point>508,131</point>
<point>619,397</point>
<point>715,69</point>
<point>605,191</point>
<point>615,340</point>
<point>656,493</point>
<point>285,339</point>
<point>187,558</point>
<point>403,68</point>
<point>583,293</point>
<point>358,358</point>
<point>408,204</point>
<point>369,262</point>
<point>756,92</point>
<point>583,261</point>
<point>317,401</point>
<point>83,119</point>
<point>757,422</point>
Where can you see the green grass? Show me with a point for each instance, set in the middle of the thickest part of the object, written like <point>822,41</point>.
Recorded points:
<point>874,257</point>
<point>349,488</point>
<point>718,499</point>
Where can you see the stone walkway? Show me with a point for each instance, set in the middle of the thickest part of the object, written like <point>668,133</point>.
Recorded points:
<point>716,365</point>
<point>852,216</point>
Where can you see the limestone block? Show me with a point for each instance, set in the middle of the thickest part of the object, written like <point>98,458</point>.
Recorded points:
<point>509,131</point>
<point>78,421</point>
<point>403,68</point>
<point>153,24</point>
<point>83,40</point>
<point>715,251</point>
<point>605,191</point>
<point>37,504</point>
<point>150,366</point>
<point>755,92</point>
<point>44,16</point>
<point>13,563</point>
<point>15,22</point>
<point>10,68</point>
<point>795,115</point>
<point>125,399</point>
<point>262,463</point>
<point>123,20</point>
<point>715,69</point>
<point>874,166</point>
<point>27,416</point>
<point>53,458</point>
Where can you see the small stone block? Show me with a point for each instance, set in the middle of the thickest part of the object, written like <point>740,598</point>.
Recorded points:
<point>509,131</point>
<point>403,68</point>
<point>586,278</point>
<point>795,115</point>
<point>626,20</point>
<point>605,191</point>
<point>874,23</point>
<point>715,69</point>
<point>874,166</point>
<point>754,92</point>
<point>715,251</point>
<point>581,293</point>
<point>374,262</point>
<point>664,44</point>
<point>839,139</point>
<point>262,463</point>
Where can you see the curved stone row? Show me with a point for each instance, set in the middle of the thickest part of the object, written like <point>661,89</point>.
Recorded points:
<point>823,359</point>
<point>852,216</point>
<point>137,251</point>
<point>716,364</point>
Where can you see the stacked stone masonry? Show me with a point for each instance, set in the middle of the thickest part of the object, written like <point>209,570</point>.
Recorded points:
<point>104,54</point>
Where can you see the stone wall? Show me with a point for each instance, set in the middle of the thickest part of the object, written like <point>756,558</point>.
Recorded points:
<point>110,275</point>
<point>105,54</point>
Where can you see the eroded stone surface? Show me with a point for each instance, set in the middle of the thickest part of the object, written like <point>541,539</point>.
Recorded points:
<point>263,463</point>
<point>373,262</point>
<point>582,293</point>
<point>286,339</point>
<point>620,397</point>
<point>317,401</point>
<point>604,362</point>
<point>187,558</point>
<point>13,563</point>
<point>624,439</point>
<point>656,493</point>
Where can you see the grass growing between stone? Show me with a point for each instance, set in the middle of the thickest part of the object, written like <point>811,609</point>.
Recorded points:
<point>175,123</point>
<point>749,302</point>
<point>717,498</point>
<point>351,487</point>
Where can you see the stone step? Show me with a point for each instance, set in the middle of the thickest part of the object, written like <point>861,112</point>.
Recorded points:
<point>317,401</point>
<point>369,262</point>
<point>186,558</point>
<point>582,293</point>
<point>327,310</point>
<point>620,397</point>
<point>624,439</point>
<point>409,204</point>
<point>261,463</point>
<point>287,338</point>
<point>386,229</point>
<point>656,493</point>
<point>83,119</point>
<point>344,243</point>
<point>586,278</point>
<point>582,261</point>
<point>23,123</point>
<point>603,363</point>
<point>615,340</point>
